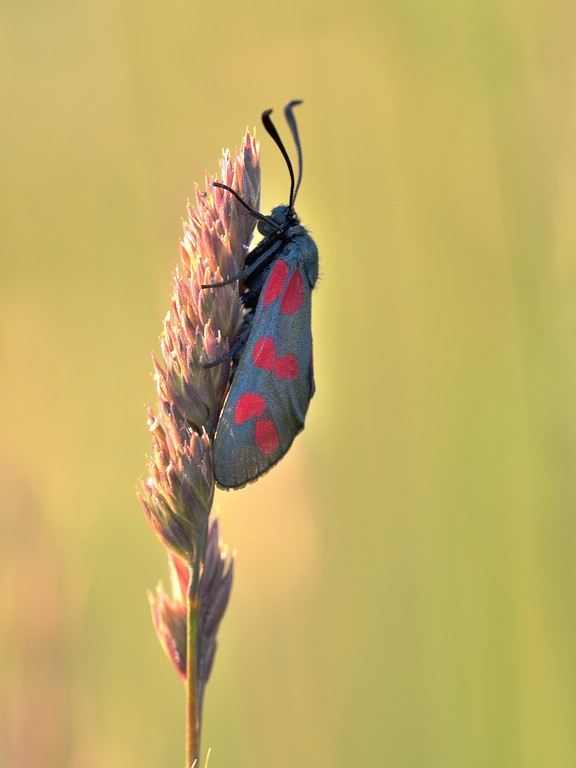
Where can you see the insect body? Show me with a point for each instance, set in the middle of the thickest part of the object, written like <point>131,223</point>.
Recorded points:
<point>273,378</point>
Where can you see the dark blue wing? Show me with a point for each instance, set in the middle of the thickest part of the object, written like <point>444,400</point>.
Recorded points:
<point>271,390</point>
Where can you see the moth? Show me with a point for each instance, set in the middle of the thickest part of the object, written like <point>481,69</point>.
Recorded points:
<point>273,379</point>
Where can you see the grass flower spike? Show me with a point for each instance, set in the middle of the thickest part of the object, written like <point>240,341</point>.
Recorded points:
<point>169,613</point>
<point>177,495</point>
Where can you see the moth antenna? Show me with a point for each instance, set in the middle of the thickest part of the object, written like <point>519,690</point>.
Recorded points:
<point>291,120</point>
<point>271,128</point>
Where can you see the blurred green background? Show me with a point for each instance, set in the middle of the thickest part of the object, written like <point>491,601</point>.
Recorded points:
<point>406,578</point>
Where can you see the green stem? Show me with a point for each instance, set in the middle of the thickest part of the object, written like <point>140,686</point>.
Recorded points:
<point>193,683</point>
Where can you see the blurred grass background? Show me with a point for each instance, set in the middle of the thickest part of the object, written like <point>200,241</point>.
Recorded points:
<point>406,578</point>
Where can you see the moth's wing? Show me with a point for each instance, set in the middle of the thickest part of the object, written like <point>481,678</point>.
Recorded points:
<point>269,397</point>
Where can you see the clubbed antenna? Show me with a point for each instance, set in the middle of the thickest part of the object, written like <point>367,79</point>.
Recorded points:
<point>271,128</point>
<point>291,120</point>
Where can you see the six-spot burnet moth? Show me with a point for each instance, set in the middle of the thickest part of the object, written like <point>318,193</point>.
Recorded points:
<point>273,377</point>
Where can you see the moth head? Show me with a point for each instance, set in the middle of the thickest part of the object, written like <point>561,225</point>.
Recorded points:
<point>282,217</point>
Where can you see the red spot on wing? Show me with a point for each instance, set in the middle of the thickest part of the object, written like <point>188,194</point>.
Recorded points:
<point>294,296</point>
<point>275,282</point>
<point>248,406</point>
<point>286,367</point>
<point>266,435</point>
<point>264,356</point>
<point>264,353</point>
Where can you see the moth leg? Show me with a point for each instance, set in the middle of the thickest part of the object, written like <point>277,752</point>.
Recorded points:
<point>238,344</point>
<point>252,268</point>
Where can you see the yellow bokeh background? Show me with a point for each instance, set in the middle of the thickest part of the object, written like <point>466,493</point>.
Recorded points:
<point>405,591</point>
